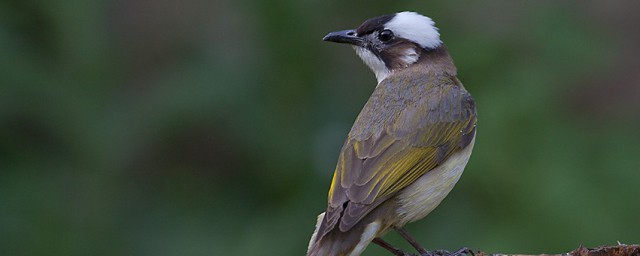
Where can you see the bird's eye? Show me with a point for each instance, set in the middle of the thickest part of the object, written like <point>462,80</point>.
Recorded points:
<point>385,35</point>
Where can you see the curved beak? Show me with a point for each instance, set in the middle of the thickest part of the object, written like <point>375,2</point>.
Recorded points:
<point>344,37</point>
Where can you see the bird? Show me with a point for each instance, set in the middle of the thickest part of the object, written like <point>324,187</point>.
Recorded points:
<point>408,146</point>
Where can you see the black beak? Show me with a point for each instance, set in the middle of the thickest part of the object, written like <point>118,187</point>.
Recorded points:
<point>344,37</point>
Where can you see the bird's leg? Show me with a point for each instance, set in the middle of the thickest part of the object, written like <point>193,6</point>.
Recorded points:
<point>388,247</point>
<point>403,232</point>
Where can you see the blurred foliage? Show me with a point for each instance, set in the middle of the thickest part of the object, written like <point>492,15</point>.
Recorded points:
<point>211,128</point>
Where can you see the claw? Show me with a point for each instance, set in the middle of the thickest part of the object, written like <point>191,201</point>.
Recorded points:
<point>464,251</point>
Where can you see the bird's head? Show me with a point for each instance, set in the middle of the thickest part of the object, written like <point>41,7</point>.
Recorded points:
<point>390,42</point>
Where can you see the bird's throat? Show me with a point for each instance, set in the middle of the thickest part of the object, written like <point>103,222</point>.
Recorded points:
<point>373,62</point>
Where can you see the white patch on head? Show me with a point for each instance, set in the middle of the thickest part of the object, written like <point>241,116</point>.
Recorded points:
<point>367,236</point>
<point>415,27</point>
<point>376,64</point>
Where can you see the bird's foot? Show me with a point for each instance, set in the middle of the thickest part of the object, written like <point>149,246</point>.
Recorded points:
<point>464,251</point>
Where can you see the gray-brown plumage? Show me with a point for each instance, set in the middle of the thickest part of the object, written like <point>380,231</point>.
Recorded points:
<point>408,145</point>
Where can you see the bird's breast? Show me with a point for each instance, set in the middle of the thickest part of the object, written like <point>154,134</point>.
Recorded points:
<point>425,194</point>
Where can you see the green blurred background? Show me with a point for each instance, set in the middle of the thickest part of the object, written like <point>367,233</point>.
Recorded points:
<point>201,127</point>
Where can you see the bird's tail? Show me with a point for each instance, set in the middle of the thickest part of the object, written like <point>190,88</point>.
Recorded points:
<point>312,241</point>
<point>338,243</point>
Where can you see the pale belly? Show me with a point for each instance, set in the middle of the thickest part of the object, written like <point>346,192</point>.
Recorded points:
<point>425,194</point>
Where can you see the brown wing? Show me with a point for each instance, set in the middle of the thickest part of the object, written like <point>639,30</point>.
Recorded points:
<point>402,133</point>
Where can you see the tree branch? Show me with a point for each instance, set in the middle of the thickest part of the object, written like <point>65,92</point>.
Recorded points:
<point>617,250</point>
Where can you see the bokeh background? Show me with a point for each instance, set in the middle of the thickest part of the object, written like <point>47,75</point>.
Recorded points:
<point>156,127</point>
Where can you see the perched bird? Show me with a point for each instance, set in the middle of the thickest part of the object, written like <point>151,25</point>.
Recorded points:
<point>409,144</point>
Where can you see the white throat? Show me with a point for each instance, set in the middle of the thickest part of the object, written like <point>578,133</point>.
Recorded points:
<point>376,64</point>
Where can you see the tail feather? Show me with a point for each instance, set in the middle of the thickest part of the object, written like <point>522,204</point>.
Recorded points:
<point>338,243</point>
<point>314,237</point>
